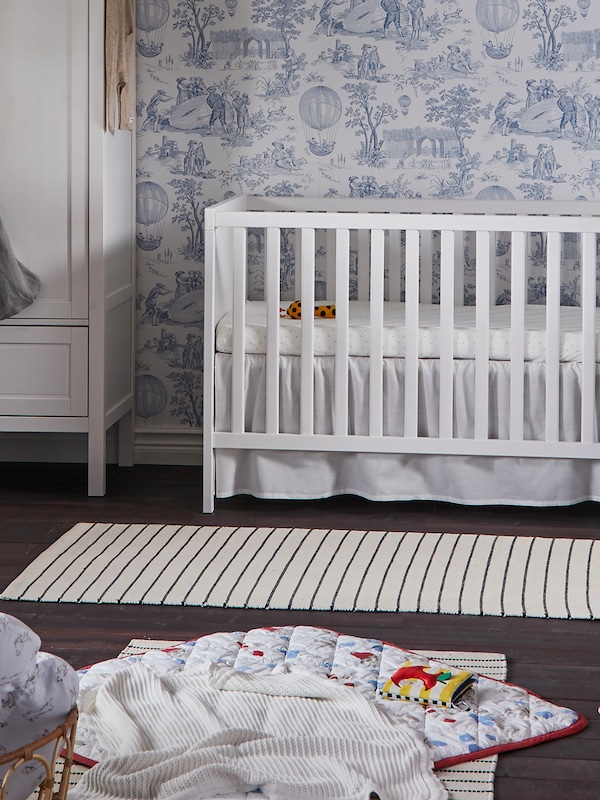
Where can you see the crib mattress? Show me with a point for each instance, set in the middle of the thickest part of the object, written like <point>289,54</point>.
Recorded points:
<point>394,336</point>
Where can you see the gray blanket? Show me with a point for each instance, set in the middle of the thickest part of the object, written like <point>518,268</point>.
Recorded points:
<point>18,285</point>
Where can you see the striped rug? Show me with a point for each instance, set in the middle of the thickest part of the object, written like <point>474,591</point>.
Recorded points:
<point>316,569</point>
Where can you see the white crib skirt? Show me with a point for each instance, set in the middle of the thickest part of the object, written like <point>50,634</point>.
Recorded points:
<point>392,477</point>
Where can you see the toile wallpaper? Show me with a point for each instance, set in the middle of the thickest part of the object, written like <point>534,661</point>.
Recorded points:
<point>362,98</point>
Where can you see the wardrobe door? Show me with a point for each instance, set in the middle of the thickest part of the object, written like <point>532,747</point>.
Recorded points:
<point>43,148</point>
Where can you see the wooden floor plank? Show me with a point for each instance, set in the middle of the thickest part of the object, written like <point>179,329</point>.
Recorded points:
<point>40,502</point>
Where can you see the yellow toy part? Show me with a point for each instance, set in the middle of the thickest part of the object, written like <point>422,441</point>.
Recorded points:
<point>295,311</point>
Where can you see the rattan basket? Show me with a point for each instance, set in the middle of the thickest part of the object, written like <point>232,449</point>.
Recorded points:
<point>64,739</point>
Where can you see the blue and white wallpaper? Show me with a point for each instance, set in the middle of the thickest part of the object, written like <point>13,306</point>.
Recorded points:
<point>360,98</point>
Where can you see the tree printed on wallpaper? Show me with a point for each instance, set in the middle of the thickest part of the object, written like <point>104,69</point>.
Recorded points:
<point>194,19</point>
<point>491,99</point>
<point>544,18</point>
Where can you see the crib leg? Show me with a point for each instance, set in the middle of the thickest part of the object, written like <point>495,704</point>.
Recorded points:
<point>208,479</point>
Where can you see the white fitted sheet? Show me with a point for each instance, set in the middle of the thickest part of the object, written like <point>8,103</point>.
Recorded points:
<point>394,337</point>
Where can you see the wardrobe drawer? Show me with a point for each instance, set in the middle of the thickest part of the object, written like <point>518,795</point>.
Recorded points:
<point>43,371</point>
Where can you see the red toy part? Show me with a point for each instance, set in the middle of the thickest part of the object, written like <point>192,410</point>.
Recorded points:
<point>418,672</point>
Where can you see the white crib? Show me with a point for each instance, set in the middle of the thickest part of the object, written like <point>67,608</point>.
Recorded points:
<point>408,393</point>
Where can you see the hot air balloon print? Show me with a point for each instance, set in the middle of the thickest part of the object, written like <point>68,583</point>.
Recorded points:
<point>320,111</point>
<point>151,206</point>
<point>151,19</point>
<point>498,18</point>
<point>150,396</point>
<point>404,102</point>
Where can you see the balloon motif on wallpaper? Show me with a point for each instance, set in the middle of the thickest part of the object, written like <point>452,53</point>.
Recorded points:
<point>151,205</point>
<point>320,111</point>
<point>150,396</point>
<point>151,18</point>
<point>497,17</point>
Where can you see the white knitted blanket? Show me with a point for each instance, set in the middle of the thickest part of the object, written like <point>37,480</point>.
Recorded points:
<point>209,731</point>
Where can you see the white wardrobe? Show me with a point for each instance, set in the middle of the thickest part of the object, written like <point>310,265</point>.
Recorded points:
<point>67,203</point>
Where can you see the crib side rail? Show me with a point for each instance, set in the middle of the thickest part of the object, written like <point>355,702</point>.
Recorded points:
<point>413,261</point>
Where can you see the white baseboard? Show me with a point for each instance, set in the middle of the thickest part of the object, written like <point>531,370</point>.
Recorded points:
<point>168,447</point>
<point>159,447</point>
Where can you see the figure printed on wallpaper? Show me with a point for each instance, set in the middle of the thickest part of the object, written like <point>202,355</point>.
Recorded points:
<point>533,92</point>
<point>362,66</point>
<point>538,162</point>
<point>369,63</point>
<point>417,17</point>
<point>501,118</point>
<point>393,11</point>
<point>184,90</point>
<point>282,157</point>
<point>327,19</point>
<point>182,283</point>
<point>241,104</point>
<point>367,186</point>
<point>154,311</point>
<point>550,164</point>
<point>216,103</point>
<point>191,358</point>
<point>592,110</point>
<point>547,89</point>
<point>568,107</point>
<point>458,61</point>
<point>153,116</point>
<point>195,161</point>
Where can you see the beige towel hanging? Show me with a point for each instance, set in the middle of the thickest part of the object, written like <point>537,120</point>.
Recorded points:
<point>119,64</point>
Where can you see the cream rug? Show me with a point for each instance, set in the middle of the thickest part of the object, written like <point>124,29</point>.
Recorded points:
<point>316,569</point>
<point>463,781</point>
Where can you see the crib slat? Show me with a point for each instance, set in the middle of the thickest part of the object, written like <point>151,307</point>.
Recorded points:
<point>493,281</point>
<point>272,284</point>
<point>517,338</point>
<point>459,272</point>
<point>483,267</point>
<point>307,296</point>
<point>376,326</point>
<point>393,263</point>
<point>342,310</point>
<point>411,336</point>
<point>426,262</point>
<point>589,433</point>
<point>238,358</point>
<point>330,260</point>
<point>447,288</point>
<point>363,260</point>
<point>552,335</point>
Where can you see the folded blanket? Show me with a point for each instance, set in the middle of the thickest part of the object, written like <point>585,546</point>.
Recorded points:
<point>18,285</point>
<point>212,730</point>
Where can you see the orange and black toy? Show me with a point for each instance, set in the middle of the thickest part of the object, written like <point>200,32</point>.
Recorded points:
<point>325,311</point>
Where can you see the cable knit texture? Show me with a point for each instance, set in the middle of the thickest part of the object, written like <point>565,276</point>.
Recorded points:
<point>213,730</point>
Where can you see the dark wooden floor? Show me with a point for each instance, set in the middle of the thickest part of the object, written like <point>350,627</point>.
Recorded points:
<point>558,659</point>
